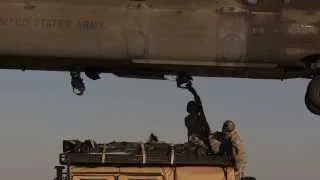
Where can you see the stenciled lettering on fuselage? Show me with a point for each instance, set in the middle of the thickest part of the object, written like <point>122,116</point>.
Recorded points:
<point>51,23</point>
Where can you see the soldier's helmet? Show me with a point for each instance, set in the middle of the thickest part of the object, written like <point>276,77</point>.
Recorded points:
<point>228,126</point>
<point>192,107</point>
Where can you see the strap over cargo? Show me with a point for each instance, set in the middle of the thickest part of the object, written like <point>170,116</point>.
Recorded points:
<point>136,154</point>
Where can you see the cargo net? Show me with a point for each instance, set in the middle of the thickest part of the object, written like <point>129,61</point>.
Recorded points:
<point>88,152</point>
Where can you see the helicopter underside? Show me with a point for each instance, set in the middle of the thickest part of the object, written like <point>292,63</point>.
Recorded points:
<point>156,69</point>
<point>150,39</point>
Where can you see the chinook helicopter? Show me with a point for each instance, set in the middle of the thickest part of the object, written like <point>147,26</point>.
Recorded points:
<point>255,39</point>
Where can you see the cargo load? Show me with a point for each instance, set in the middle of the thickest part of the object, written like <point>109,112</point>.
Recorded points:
<point>88,160</point>
<point>137,153</point>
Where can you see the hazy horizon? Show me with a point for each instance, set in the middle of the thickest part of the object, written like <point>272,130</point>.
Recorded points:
<point>38,110</point>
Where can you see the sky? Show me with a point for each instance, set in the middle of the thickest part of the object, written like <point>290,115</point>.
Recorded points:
<point>38,110</point>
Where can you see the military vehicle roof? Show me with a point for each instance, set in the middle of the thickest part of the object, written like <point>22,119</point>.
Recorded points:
<point>136,154</point>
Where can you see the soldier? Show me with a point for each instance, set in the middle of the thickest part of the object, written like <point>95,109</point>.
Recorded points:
<point>196,122</point>
<point>232,145</point>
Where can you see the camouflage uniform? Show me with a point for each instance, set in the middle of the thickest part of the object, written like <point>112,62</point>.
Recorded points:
<point>215,140</point>
<point>237,151</point>
<point>198,145</point>
<point>196,122</point>
<point>197,131</point>
<point>228,142</point>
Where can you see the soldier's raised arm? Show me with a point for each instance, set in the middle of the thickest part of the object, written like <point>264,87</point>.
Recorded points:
<point>195,95</point>
<point>199,104</point>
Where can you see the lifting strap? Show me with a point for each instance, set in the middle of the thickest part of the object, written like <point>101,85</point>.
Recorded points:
<point>104,154</point>
<point>172,154</point>
<point>143,150</point>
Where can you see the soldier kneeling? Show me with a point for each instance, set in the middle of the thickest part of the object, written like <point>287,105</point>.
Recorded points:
<point>228,142</point>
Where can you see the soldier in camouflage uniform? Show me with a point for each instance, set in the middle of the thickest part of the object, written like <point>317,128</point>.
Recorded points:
<point>233,145</point>
<point>196,123</point>
<point>228,142</point>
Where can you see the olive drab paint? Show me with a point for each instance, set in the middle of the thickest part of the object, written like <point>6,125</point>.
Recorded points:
<point>256,39</point>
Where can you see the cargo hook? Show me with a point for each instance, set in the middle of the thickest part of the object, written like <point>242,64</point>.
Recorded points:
<point>77,83</point>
